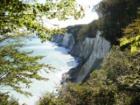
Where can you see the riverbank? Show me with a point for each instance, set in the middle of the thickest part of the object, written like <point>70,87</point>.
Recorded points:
<point>52,56</point>
<point>90,51</point>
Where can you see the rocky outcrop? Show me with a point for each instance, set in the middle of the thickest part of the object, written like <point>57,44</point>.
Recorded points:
<point>83,48</point>
<point>67,40</point>
<point>57,39</point>
<point>93,50</point>
<point>99,51</point>
<point>90,50</point>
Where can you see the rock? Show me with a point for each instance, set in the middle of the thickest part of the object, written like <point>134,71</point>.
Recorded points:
<point>57,39</point>
<point>92,50</point>
<point>68,41</point>
<point>83,48</point>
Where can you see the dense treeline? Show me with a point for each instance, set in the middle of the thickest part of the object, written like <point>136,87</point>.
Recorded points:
<point>117,82</point>
<point>116,15</point>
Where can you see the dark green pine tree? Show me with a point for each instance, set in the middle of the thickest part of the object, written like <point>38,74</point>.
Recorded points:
<point>17,67</point>
<point>131,37</point>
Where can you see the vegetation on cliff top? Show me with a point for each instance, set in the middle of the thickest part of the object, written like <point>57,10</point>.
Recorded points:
<point>117,82</point>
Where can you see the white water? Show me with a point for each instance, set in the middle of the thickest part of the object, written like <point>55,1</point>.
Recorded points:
<point>56,56</point>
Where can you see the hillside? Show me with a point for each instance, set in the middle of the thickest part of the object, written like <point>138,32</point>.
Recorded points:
<point>117,80</point>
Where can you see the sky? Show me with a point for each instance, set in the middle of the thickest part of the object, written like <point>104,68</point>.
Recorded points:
<point>90,15</point>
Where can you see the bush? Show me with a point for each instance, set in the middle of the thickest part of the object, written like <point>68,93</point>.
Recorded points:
<point>111,85</point>
<point>4,100</point>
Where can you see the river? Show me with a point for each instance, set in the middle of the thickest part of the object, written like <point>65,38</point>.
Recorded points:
<point>57,57</point>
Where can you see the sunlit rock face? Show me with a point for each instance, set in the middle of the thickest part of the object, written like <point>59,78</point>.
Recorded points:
<point>68,40</point>
<point>94,58</point>
<point>57,39</point>
<point>91,51</point>
<point>83,48</point>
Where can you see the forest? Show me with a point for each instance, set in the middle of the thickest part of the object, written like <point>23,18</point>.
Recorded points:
<point>115,82</point>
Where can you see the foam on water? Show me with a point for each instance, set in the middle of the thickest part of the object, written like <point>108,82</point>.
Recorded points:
<point>55,56</point>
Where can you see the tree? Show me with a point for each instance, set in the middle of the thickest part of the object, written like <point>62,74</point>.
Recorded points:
<point>131,38</point>
<point>117,82</point>
<point>4,100</point>
<point>17,67</point>
<point>115,15</point>
<point>15,14</point>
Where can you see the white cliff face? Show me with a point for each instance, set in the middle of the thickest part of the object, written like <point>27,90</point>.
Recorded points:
<point>99,51</point>
<point>53,55</point>
<point>83,48</point>
<point>92,51</point>
<point>68,41</point>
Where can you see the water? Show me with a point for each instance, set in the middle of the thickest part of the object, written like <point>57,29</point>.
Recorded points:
<point>55,56</point>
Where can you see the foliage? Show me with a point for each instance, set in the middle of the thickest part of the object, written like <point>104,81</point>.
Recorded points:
<point>116,83</point>
<point>115,15</point>
<point>17,67</point>
<point>51,99</point>
<point>131,36</point>
<point>15,14</point>
<point>123,69</point>
<point>4,100</point>
<point>118,80</point>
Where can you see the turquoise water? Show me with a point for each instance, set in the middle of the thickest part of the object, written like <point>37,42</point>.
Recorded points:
<point>55,56</point>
